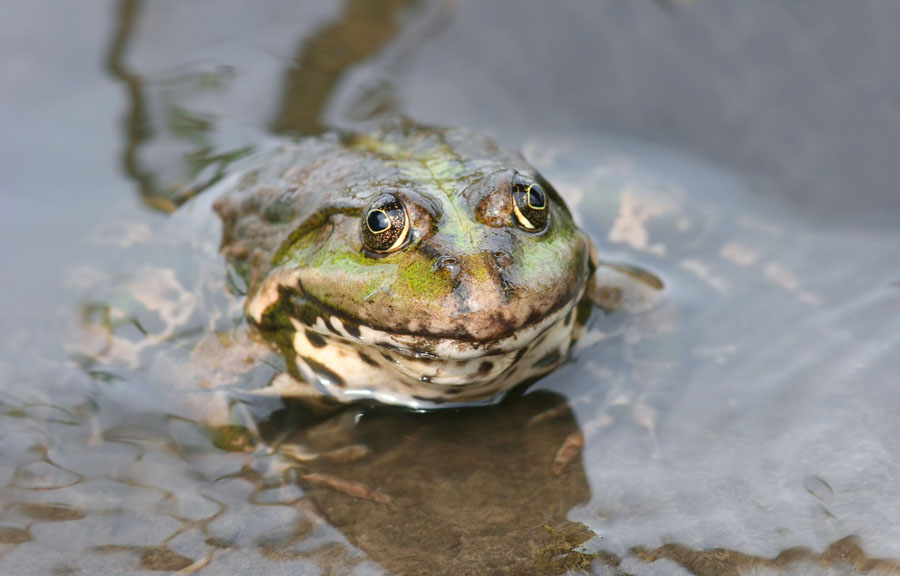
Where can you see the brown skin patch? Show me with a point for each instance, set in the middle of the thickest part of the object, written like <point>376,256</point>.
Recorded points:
<point>494,202</point>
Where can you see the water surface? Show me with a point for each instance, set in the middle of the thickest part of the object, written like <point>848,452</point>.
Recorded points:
<point>741,420</point>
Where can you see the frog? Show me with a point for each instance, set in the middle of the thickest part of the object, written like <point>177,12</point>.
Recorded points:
<point>407,265</point>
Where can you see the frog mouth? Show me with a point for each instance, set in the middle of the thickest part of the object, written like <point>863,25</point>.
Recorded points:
<point>472,317</point>
<point>425,372</point>
<point>352,361</point>
<point>435,346</point>
<point>427,358</point>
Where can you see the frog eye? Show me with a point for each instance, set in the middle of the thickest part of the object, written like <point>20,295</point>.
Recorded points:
<point>529,204</point>
<point>385,224</point>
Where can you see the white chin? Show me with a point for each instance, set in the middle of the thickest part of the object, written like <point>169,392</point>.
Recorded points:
<point>422,372</point>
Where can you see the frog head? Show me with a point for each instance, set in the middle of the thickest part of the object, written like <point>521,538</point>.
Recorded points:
<point>422,264</point>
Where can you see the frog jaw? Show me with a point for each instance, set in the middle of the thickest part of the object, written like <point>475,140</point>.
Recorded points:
<point>422,372</point>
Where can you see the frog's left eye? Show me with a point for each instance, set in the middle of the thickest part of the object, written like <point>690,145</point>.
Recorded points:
<point>385,224</point>
<point>530,204</point>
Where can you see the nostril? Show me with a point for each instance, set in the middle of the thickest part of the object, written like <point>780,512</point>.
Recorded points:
<point>502,258</point>
<point>448,263</point>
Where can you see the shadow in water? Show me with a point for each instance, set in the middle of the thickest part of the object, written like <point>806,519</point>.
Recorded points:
<point>481,490</point>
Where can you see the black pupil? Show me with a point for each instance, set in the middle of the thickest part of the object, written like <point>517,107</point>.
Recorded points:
<point>378,221</point>
<point>536,197</point>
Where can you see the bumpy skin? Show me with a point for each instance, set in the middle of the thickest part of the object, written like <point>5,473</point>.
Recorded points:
<point>468,284</point>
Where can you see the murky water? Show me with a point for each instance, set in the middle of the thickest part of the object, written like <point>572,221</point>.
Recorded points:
<point>743,420</point>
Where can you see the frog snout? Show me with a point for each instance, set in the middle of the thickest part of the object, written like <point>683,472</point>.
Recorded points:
<point>453,266</point>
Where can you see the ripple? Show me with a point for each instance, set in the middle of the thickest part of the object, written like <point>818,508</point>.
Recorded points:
<point>50,512</point>
<point>44,475</point>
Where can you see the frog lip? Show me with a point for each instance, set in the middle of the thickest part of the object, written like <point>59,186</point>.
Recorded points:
<point>352,369</point>
<point>478,334</point>
<point>479,313</point>
<point>438,346</point>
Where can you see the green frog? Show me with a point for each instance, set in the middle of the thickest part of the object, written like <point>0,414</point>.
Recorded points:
<point>411,266</point>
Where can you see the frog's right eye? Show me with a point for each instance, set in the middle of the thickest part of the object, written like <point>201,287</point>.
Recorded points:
<point>385,225</point>
<point>529,204</point>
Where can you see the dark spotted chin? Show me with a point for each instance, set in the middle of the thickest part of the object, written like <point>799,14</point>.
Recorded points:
<point>365,364</point>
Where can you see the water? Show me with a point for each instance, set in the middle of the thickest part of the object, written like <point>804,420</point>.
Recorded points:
<point>742,420</point>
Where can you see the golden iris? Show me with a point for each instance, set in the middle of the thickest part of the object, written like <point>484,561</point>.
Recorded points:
<point>386,225</point>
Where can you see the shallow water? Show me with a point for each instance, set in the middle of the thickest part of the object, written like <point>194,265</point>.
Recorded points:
<point>741,420</point>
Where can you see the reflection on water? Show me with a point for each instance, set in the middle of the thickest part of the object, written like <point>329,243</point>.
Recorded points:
<point>173,147</point>
<point>741,420</point>
<point>363,30</point>
<point>189,165</point>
